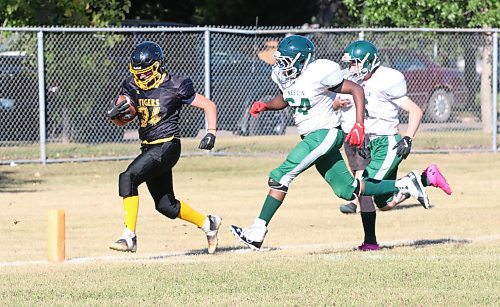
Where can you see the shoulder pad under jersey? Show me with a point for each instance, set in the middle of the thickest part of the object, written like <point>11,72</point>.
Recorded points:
<point>391,82</point>
<point>327,72</point>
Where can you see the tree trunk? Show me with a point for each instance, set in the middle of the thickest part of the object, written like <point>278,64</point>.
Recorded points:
<point>470,55</point>
<point>485,93</point>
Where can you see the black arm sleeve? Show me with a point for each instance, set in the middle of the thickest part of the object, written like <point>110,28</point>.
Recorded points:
<point>337,87</point>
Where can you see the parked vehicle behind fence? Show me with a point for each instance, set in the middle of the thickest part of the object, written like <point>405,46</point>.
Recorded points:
<point>436,89</point>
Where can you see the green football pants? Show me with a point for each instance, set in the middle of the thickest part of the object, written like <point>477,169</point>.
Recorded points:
<point>384,163</point>
<point>321,149</point>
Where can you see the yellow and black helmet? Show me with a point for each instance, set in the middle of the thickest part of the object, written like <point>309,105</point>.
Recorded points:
<point>147,64</point>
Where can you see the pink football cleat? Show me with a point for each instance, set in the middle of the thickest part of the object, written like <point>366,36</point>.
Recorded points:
<point>436,179</point>
<point>365,247</point>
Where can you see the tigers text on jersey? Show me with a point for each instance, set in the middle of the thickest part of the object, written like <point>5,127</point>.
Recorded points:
<point>385,91</point>
<point>310,98</point>
<point>159,108</point>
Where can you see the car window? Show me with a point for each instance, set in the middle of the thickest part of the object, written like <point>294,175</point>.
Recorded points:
<point>402,60</point>
<point>406,62</point>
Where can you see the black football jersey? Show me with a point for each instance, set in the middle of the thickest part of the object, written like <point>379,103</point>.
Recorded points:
<point>158,108</point>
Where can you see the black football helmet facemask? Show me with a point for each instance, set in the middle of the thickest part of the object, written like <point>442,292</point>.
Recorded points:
<point>147,64</point>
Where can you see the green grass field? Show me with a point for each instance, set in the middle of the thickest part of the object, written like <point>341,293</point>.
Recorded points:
<point>448,255</point>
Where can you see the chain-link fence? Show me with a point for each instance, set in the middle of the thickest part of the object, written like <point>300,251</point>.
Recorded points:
<point>56,83</point>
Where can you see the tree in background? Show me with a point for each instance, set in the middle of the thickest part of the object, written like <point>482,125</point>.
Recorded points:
<point>87,58</point>
<point>224,12</point>
<point>63,12</point>
<point>440,14</point>
<point>333,13</point>
<point>190,12</point>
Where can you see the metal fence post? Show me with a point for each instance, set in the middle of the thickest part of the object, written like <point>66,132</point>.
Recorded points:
<point>207,75</point>
<point>495,91</point>
<point>41,97</point>
<point>207,69</point>
<point>207,63</point>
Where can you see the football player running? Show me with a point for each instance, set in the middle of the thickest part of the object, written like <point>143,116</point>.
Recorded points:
<point>309,86</point>
<point>158,97</point>
<point>385,92</point>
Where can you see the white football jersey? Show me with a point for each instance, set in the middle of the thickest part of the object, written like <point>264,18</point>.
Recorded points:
<point>385,91</point>
<point>310,98</point>
<point>347,113</point>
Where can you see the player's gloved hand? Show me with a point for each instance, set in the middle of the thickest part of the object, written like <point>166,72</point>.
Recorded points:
<point>257,107</point>
<point>403,147</point>
<point>207,142</point>
<point>117,110</point>
<point>363,151</point>
<point>357,135</point>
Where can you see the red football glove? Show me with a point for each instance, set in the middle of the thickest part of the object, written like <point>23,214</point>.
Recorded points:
<point>357,135</point>
<point>257,107</point>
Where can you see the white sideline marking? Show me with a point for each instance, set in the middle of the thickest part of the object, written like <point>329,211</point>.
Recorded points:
<point>241,250</point>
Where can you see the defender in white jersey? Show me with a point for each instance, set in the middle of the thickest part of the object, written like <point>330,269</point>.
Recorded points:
<point>309,86</point>
<point>385,93</point>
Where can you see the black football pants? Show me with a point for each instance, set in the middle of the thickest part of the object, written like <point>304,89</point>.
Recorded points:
<point>154,166</point>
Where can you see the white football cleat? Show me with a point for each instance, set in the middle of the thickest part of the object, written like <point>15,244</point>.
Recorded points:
<point>412,184</point>
<point>211,229</point>
<point>126,243</point>
<point>252,236</point>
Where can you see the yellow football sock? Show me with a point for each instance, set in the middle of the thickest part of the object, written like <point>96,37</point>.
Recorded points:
<point>189,214</point>
<point>131,206</point>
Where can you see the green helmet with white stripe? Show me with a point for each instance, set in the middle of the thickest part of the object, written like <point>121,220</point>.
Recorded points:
<point>294,53</point>
<point>363,58</point>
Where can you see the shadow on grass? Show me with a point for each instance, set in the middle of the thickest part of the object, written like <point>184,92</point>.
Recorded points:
<point>246,250</point>
<point>425,243</point>
<point>389,246</point>
<point>220,250</point>
<point>398,207</point>
<point>406,206</point>
<point>242,249</point>
<point>9,183</point>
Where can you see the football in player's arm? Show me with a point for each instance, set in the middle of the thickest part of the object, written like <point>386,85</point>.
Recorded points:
<point>157,97</point>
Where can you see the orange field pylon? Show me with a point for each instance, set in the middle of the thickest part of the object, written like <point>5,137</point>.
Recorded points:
<point>56,236</point>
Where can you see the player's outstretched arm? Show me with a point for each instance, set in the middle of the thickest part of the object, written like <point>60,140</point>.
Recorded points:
<point>357,134</point>
<point>208,106</point>
<point>277,103</point>
<point>358,95</point>
<point>403,146</point>
<point>414,116</point>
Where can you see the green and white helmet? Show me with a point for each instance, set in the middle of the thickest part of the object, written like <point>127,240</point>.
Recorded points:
<point>294,53</point>
<point>365,55</point>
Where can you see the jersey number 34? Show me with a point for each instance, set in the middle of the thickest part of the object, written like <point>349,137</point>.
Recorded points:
<point>149,115</point>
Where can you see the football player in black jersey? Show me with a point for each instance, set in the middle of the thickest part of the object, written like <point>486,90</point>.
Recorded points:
<point>158,96</point>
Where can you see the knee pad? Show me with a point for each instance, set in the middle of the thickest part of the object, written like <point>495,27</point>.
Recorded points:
<point>168,206</point>
<point>126,185</point>
<point>275,185</point>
